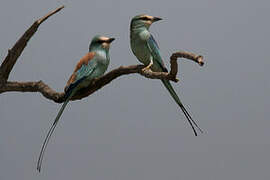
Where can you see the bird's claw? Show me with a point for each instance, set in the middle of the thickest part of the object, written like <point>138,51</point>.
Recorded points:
<point>148,67</point>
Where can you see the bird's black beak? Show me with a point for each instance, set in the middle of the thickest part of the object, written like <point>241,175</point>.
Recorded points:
<point>155,19</point>
<point>111,40</point>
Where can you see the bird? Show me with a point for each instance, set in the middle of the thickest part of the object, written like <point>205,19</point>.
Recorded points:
<point>146,49</point>
<point>90,66</point>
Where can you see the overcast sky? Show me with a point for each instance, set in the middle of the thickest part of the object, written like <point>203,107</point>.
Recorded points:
<point>132,129</point>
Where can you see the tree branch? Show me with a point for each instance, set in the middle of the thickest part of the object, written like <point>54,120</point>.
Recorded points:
<point>38,86</point>
<point>96,84</point>
<point>124,70</point>
<point>17,49</point>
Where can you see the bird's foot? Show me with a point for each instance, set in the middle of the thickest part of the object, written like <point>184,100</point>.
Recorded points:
<point>148,67</point>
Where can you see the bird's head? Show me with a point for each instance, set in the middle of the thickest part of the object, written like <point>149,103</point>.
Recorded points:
<point>100,42</point>
<point>143,21</point>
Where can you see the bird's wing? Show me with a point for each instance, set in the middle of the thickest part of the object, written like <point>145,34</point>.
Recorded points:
<point>154,49</point>
<point>83,68</point>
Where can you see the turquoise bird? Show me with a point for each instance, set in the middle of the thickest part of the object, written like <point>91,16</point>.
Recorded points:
<point>92,65</point>
<point>146,49</point>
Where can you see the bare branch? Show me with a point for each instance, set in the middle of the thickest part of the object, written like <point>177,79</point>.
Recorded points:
<point>181,54</point>
<point>16,50</point>
<point>96,84</point>
<point>38,86</point>
<point>124,70</point>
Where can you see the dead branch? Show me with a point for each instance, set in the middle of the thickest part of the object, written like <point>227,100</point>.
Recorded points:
<point>98,83</point>
<point>17,49</point>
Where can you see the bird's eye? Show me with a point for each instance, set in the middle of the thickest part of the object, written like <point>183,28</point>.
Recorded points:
<point>99,41</point>
<point>145,18</point>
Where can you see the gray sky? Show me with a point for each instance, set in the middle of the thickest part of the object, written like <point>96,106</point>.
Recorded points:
<point>132,129</point>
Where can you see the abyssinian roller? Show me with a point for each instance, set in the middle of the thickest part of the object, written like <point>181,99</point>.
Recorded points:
<point>92,65</point>
<point>146,49</point>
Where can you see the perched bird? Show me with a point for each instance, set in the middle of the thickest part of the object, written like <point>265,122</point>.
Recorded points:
<point>92,65</point>
<point>146,49</point>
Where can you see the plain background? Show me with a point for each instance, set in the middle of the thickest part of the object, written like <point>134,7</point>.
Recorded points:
<point>132,129</point>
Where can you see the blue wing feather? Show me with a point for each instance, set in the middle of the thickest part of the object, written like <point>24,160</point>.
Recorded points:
<point>85,70</point>
<point>81,74</point>
<point>72,86</point>
<point>153,46</point>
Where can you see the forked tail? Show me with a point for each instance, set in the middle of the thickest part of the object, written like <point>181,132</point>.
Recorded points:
<point>192,123</point>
